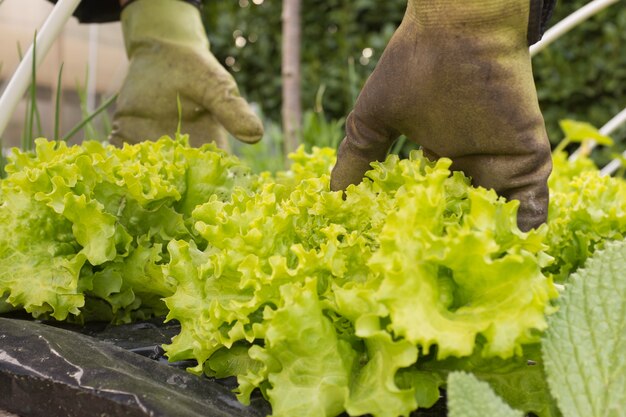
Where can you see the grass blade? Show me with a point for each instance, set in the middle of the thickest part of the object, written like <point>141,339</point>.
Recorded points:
<point>57,104</point>
<point>89,118</point>
<point>33,112</point>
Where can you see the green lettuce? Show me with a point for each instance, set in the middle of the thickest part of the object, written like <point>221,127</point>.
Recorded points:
<point>40,263</point>
<point>327,302</point>
<point>85,228</point>
<point>583,350</point>
<point>373,279</point>
<point>586,210</point>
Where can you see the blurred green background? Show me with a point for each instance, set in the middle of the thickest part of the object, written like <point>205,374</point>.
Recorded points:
<point>582,76</point>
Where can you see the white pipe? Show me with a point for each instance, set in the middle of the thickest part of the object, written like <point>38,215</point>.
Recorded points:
<point>20,81</point>
<point>614,123</point>
<point>92,68</point>
<point>570,22</point>
<point>605,130</point>
<point>611,126</point>
<point>611,167</point>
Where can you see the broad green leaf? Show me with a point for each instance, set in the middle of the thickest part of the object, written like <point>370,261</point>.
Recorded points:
<point>576,131</point>
<point>469,397</point>
<point>520,381</point>
<point>585,346</point>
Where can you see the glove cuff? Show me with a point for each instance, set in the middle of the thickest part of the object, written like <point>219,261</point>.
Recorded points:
<point>150,22</point>
<point>484,18</point>
<point>197,3</point>
<point>470,15</point>
<point>540,14</point>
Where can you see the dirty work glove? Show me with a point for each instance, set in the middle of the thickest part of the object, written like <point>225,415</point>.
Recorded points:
<point>169,57</point>
<point>456,79</point>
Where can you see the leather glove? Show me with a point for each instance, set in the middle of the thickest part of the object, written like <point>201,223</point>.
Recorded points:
<point>169,58</point>
<point>456,78</point>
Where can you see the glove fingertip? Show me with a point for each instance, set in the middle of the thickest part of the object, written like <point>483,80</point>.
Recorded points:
<point>116,140</point>
<point>249,130</point>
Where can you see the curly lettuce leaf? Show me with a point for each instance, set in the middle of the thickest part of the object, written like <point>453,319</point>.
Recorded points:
<point>118,208</point>
<point>40,262</point>
<point>307,366</point>
<point>586,209</point>
<point>374,390</point>
<point>454,271</point>
<point>391,277</point>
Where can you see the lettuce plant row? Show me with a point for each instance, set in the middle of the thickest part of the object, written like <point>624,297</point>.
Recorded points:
<point>325,302</point>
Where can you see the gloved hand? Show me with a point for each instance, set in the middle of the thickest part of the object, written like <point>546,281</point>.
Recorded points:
<point>169,57</point>
<point>456,78</point>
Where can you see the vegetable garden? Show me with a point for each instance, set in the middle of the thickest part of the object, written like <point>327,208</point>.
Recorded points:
<point>367,305</point>
<point>411,288</point>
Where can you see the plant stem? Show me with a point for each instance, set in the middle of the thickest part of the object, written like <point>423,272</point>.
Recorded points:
<point>32,109</point>
<point>57,105</point>
<point>89,118</point>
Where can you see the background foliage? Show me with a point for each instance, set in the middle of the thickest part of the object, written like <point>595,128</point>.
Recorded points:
<point>335,36</point>
<point>581,76</point>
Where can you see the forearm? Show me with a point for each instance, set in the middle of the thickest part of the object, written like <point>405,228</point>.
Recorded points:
<point>97,11</point>
<point>103,11</point>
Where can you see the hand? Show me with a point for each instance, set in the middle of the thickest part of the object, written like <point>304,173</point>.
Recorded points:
<point>456,79</point>
<point>169,58</point>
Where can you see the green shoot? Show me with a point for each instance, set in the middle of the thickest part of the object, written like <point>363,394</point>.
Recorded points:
<point>57,105</point>
<point>317,130</point>
<point>91,130</point>
<point>81,90</point>
<point>32,112</point>
<point>398,145</point>
<point>35,117</point>
<point>89,118</point>
<point>179,106</point>
<point>3,163</point>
